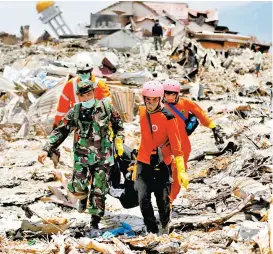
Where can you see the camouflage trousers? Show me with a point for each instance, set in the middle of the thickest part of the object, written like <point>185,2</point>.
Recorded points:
<point>92,181</point>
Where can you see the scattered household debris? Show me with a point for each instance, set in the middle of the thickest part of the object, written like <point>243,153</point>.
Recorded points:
<point>228,206</point>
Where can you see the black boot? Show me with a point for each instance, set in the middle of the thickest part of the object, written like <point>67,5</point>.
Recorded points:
<point>95,220</point>
<point>81,205</point>
<point>152,228</point>
<point>94,227</point>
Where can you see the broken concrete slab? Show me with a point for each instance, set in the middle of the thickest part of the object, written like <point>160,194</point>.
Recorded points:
<point>245,186</point>
<point>121,40</point>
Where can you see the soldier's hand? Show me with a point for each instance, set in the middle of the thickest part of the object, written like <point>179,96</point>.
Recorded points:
<point>41,157</point>
<point>134,171</point>
<point>55,157</point>
<point>119,146</point>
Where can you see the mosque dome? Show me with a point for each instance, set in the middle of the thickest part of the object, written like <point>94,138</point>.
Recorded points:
<point>43,5</point>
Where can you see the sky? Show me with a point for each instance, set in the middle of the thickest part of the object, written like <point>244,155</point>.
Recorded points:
<point>13,14</point>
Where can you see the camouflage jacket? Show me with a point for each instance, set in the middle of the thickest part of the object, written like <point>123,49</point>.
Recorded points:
<point>94,131</point>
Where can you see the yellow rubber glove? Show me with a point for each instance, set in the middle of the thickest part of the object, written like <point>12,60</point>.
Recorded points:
<point>119,146</point>
<point>111,133</point>
<point>212,125</point>
<point>182,176</point>
<point>134,169</point>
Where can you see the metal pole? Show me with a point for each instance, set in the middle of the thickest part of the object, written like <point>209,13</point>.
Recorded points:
<point>53,28</point>
<point>59,25</point>
<point>67,27</point>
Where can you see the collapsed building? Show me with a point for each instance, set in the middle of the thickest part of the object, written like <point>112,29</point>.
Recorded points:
<point>138,17</point>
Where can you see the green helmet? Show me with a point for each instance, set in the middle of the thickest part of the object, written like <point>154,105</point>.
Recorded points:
<point>85,86</point>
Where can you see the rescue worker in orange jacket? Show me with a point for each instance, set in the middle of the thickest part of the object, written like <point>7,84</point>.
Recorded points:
<point>159,141</point>
<point>184,105</point>
<point>69,94</point>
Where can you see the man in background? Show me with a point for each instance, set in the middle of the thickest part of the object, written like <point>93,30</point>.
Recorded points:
<point>258,60</point>
<point>169,35</point>
<point>157,33</point>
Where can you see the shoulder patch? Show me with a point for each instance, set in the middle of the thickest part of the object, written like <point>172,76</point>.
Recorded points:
<point>166,112</point>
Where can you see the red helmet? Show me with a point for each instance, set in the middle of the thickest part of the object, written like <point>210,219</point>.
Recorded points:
<point>171,85</point>
<point>153,89</point>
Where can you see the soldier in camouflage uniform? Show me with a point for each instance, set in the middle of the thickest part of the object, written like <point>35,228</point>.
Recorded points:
<point>96,126</point>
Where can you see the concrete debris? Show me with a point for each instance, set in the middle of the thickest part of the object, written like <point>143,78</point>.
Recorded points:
<point>245,186</point>
<point>208,219</point>
<point>122,39</point>
<point>132,78</point>
<point>248,231</point>
<point>43,110</point>
<point>228,206</point>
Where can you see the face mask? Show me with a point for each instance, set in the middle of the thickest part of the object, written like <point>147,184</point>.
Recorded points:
<point>88,104</point>
<point>85,76</point>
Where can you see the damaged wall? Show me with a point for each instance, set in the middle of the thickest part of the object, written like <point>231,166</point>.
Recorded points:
<point>108,21</point>
<point>130,8</point>
<point>141,10</point>
<point>122,39</point>
<point>220,45</point>
<point>193,26</point>
<point>125,6</point>
<point>146,26</point>
<point>8,39</point>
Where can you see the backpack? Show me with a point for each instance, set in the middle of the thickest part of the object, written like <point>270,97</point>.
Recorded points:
<point>191,123</point>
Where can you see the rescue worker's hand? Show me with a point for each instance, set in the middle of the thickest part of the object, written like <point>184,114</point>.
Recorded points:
<point>119,146</point>
<point>217,132</point>
<point>182,176</point>
<point>42,156</point>
<point>134,171</point>
<point>212,125</point>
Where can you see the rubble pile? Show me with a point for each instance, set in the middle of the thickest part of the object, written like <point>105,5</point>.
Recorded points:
<point>49,51</point>
<point>235,75</point>
<point>228,206</point>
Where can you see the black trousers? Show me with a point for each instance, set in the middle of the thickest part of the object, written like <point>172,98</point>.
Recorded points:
<point>158,181</point>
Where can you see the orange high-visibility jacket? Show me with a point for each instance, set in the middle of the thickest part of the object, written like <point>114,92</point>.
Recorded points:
<point>69,97</point>
<point>165,132</point>
<point>185,106</point>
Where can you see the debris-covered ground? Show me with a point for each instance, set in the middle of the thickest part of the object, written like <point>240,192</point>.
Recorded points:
<point>228,206</point>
